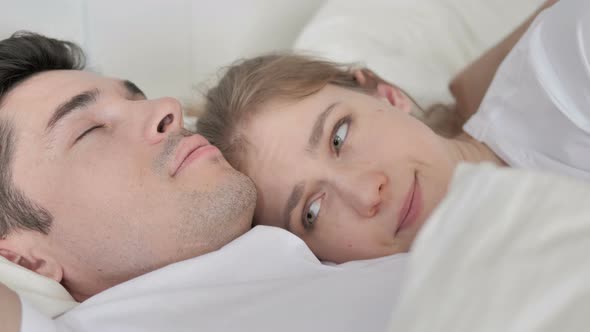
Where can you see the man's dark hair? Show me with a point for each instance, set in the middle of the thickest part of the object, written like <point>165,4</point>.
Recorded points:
<point>22,56</point>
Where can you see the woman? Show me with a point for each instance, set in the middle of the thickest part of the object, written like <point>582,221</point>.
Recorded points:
<point>339,161</point>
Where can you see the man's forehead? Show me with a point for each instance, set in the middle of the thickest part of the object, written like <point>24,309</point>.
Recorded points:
<point>55,84</point>
<point>40,94</point>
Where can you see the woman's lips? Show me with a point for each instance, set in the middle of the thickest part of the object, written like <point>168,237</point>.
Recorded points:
<point>411,208</point>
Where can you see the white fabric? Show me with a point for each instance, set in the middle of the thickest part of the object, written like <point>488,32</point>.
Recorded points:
<point>33,320</point>
<point>48,296</point>
<point>418,44</point>
<point>266,280</point>
<point>536,113</point>
<point>498,256</point>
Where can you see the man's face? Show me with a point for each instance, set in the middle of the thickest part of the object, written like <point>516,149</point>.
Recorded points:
<point>114,173</point>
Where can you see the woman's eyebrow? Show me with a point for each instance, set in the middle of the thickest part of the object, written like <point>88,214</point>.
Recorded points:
<point>317,130</point>
<point>291,203</point>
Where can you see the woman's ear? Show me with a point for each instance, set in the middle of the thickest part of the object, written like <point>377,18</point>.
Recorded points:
<point>383,89</point>
<point>23,248</point>
<point>366,78</point>
<point>394,96</point>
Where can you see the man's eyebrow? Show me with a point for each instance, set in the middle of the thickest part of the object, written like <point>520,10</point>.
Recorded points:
<point>75,103</point>
<point>133,89</point>
<point>318,128</point>
<point>292,202</point>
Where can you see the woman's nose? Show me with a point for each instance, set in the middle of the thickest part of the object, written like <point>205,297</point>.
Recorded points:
<point>164,116</point>
<point>364,191</point>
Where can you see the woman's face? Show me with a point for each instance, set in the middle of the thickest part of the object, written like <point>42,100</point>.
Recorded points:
<point>351,174</point>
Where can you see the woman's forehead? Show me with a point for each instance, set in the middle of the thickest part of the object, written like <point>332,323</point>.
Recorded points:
<point>278,136</point>
<point>289,118</point>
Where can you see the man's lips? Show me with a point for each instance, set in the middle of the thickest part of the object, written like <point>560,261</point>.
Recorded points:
<point>411,208</point>
<point>189,149</point>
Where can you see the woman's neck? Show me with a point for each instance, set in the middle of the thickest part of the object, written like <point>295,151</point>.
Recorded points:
<point>464,148</point>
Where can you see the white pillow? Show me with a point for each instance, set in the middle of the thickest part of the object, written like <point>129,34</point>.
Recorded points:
<point>46,295</point>
<point>418,44</point>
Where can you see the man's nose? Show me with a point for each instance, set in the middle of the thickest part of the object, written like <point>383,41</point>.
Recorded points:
<point>364,191</point>
<point>165,116</point>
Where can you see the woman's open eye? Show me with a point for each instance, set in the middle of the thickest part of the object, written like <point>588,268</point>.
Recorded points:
<point>340,132</point>
<point>311,213</point>
<point>88,132</point>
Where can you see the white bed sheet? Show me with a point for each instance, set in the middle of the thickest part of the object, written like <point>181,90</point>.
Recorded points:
<point>506,251</point>
<point>266,280</point>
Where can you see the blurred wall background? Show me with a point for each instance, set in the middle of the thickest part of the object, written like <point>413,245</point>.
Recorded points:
<point>167,47</point>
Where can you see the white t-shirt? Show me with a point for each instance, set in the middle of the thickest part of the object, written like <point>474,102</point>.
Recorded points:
<point>266,280</point>
<point>536,113</point>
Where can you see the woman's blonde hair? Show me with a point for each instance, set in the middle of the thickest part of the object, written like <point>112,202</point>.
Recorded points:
<point>248,84</point>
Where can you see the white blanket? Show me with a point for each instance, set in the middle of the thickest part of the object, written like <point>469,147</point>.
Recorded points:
<point>506,251</point>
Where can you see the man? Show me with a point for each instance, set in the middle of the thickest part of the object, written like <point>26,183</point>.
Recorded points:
<point>104,192</point>
<point>100,185</point>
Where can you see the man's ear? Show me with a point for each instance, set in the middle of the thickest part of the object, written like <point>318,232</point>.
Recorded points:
<point>25,248</point>
<point>383,89</point>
